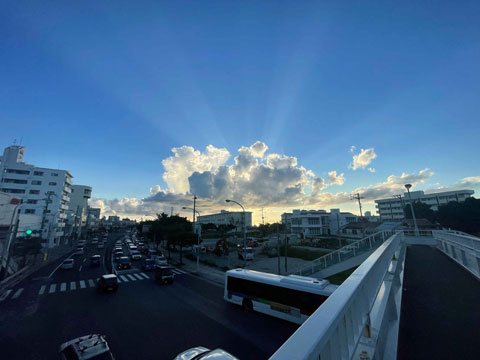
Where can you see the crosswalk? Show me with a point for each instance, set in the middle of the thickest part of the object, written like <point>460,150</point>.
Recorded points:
<point>78,285</point>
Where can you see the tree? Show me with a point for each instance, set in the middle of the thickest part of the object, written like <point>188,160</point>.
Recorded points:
<point>422,211</point>
<point>463,216</point>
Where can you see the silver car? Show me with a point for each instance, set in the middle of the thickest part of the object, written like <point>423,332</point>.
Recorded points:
<point>202,353</point>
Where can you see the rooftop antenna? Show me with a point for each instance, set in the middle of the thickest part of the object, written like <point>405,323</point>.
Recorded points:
<point>357,197</point>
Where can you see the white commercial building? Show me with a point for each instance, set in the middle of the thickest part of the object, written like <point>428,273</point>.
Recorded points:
<point>227,218</point>
<point>44,193</point>
<point>393,208</point>
<point>78,207</point>
<point>312,223</point>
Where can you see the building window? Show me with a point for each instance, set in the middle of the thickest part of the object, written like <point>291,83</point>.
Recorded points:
<point>34,192</point>
<point>14,181</point>
<point>13,191</point>
<point>29,211</point>
<point>54,174</point>
<point>36,182</point>
<point>38,173</point>
<point>30,201</point>
<point>52,183</point>
<point>17,171</point>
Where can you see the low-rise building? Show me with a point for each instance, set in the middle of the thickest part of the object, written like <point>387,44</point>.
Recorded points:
<point>311,223</point>
<point>393,208</point>
<point>227,218</point>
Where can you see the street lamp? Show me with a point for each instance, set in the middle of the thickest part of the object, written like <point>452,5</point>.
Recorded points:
<point>408,186</point>
<point>244,232</point>
<point>194,231</point>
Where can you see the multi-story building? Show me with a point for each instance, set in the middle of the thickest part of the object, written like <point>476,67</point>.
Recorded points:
<point>44,192</point>
<point>393,208</point>
<point>287,219</point>
<point>78,207</point>
<point>95,212</point>
<point>312,223</point>
<point>227,218</point>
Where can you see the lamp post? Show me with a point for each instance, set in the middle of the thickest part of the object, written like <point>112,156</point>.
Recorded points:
<point>408,186</point>
<point>244,233</point>
<point>194,229</point>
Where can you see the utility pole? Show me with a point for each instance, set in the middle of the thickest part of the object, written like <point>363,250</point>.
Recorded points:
<point>263,219</point>
<point>47,202</point>
<point>9,251</point>
<point>286,247</point>
<point>278,249</point>
<point>357,197</point>
<point>338,233</point>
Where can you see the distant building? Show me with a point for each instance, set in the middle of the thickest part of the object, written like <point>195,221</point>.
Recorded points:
<point>393,208</point>
<point>313,223</point>
<point>95,212</point>
<point>35,185</point>
<point>79,207</point>
<point>359,230</point>
<point>227,218</point>
<point>287,219</point>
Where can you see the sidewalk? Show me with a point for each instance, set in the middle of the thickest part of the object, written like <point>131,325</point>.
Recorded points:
<point>207,272</point>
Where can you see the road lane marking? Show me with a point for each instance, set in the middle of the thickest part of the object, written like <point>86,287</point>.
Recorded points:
<point>131,277</point>
<point>84,260</point>
<point>145,275</point>
<point>82,284</point>
<point>138,276</point>
<point>123,278</point>
<point>17,294</point>
<point>63,287</point>
<point>180,271</point>
<point>53,287</point>
<point>49,276</point>
<point>91,283</point>
<point>5,295</point>
<point>42,290</point>
<point>80,268</point>
<point>73,285</point>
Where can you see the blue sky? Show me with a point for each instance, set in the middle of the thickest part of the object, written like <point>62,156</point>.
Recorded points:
<point>107,89</point>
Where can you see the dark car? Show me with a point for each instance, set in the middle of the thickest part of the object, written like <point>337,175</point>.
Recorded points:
<point>107,283</point>
<point>148,264</point>
<point>95,260</point>
<point>118,255</point>
<point>164,274</point>
<point>124,263</point>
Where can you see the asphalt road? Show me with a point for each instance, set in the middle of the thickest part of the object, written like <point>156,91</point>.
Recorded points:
<point>143,320</point>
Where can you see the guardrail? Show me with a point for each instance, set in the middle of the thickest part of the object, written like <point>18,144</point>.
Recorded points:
<point>360,319</point>
<point>351,250</point>
<point>464,249</point>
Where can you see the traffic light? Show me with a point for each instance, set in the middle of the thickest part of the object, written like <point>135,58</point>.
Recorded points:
<point>28,232</point>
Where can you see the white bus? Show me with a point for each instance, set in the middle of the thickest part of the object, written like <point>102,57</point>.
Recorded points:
<point>293,298</point>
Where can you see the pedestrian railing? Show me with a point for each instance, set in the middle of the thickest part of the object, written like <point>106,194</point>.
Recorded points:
<point>349,251</point>
<point>361,317</point>
<point>463,249</point>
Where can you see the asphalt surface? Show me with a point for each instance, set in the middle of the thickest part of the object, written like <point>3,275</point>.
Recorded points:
<point>143,320</point>
<point>440,314</point>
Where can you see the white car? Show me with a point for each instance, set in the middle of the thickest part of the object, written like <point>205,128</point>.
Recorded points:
<point>67,264</point>
<point>161,260</point>
<point>79,251</point>
<point>136,255</point>
<point>86,347</point>
<point>201,353</point>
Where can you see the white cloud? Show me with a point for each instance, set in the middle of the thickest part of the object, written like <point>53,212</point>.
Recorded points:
<point>334,179</point>
<point>352,148</point>
<point>372,170</point>
<point>467,183</point>
<point>363,159</point>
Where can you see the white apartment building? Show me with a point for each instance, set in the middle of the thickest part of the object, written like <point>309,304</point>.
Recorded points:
<point>36,186</point>
<point>312,223</point>
<point>78,207</point>
<point>392,208</point>
<point>226,218</point>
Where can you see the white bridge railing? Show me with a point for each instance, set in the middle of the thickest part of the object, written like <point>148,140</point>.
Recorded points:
<point>462,248</point>
<point>360,319</point>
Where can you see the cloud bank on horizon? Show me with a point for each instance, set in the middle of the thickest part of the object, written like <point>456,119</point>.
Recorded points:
<point>257,179</point>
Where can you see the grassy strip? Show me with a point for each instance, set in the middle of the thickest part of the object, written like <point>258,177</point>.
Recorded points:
<point>305,254</point>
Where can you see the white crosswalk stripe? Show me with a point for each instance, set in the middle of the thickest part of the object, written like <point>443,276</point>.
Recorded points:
<point>42,289</point>
<point>145,275</point>
<point>53,287</point>
<point>63,287</point>
<point>17,294</point>
<point>5,294</point>
<point>91,283</point>
<point>73,285</point>
<point>138,276</point>
<point>131,277</point>
<point>82,284</point>
<point>123,278</point>
<point>179,271</point>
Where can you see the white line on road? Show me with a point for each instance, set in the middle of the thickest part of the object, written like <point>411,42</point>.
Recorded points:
<point>42,290</point>
<point>123,278</point>
<point>53,287</point>
<point>5,294</point>
<point>180,271</point>
<point>63,287</point>
<point>17,294</point>
<point>138,276</point>
<point>91,283</point>
<point>73,285</point>
<point>82,284</point>
<point>80,268</point>
<point>53,272</point>
<point>145,275</point>
<point>84,260</point>
<point>131,277</point>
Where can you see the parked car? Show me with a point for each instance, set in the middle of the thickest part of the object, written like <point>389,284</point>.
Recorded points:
<point>246,254</point>
<point>202,353</point>
<point>164,274</point>
<point>136,255</point>
<point>95,260</point>
<point>124,263</point>
<point>107,283</point>
<point>93,347</point>
<point>67,264</point>
<point>148,264</point>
